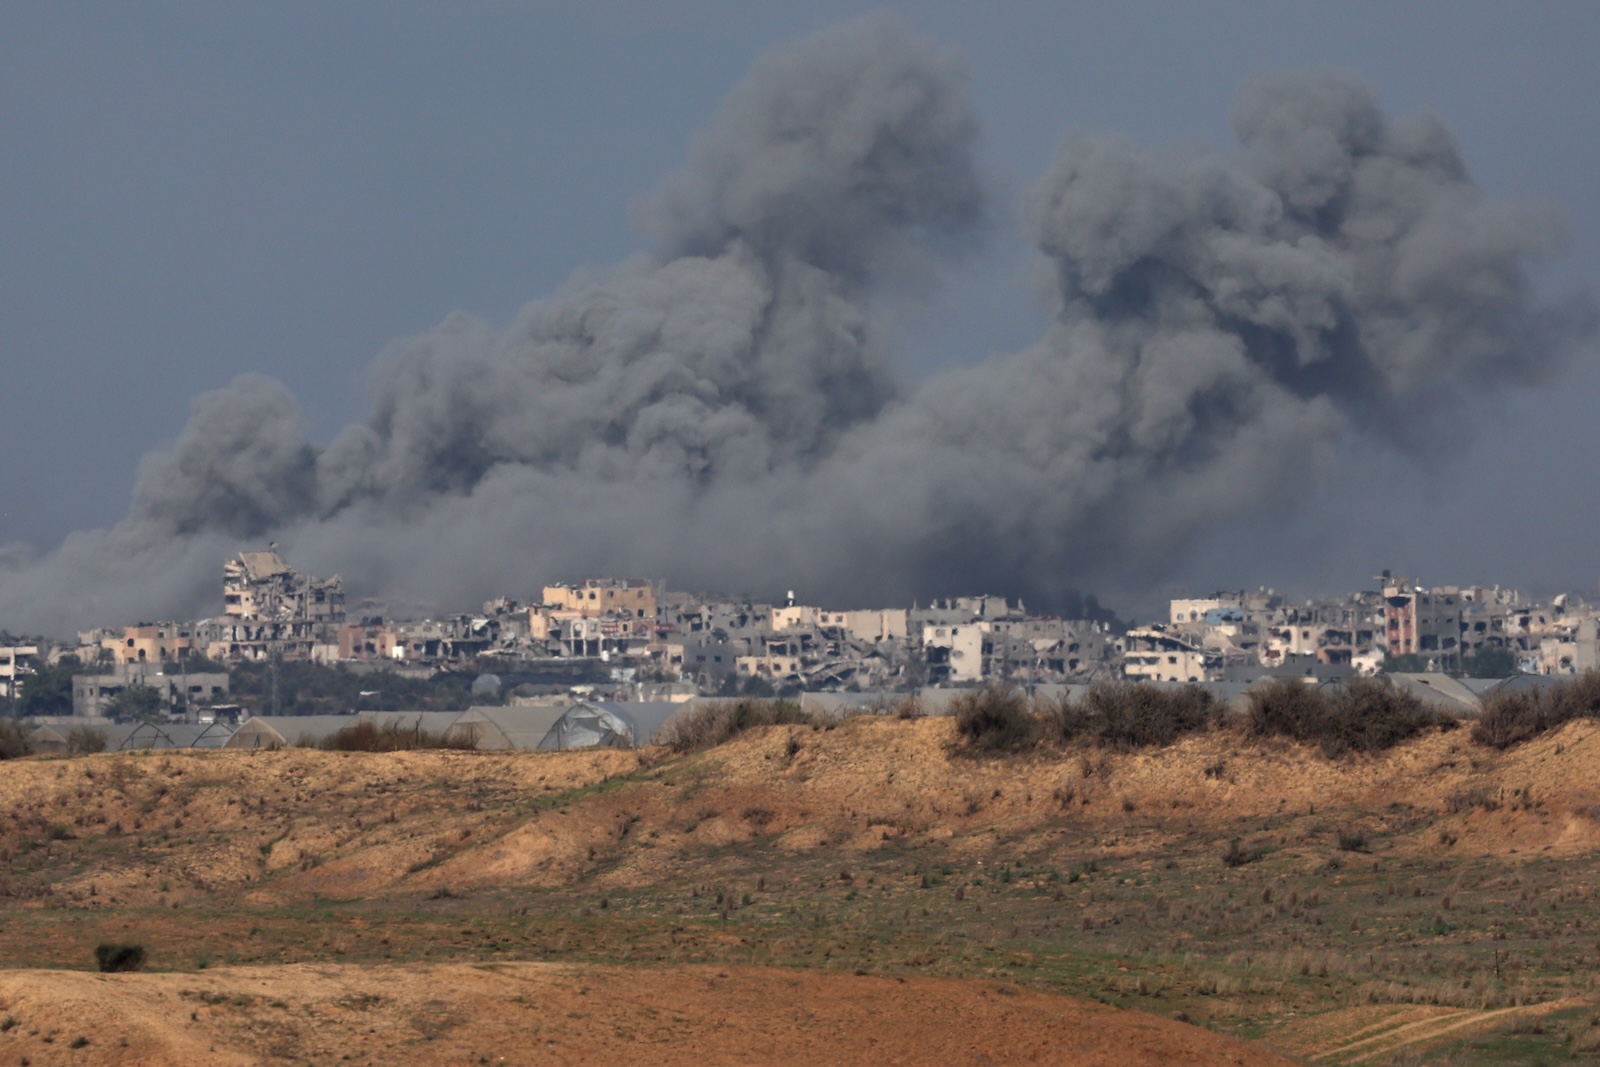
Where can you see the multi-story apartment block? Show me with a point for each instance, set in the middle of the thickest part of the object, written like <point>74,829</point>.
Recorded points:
<point>1423,622</point>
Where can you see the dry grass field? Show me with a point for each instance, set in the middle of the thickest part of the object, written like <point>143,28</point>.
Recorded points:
<point>861,890</point>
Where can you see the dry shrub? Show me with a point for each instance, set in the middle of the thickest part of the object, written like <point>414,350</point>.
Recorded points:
<point>908,707</point>
<point>995,719</point>
<point>1466,801</point>
<point>111,957</point>
<point>1363,715</point>
<point>1238,855</point>
<point>13,741</point>
<point>715,722</point>
<point>366,736</point>
<point>1511,718</point>
<point>1130,715</point>
<point>86,739</point>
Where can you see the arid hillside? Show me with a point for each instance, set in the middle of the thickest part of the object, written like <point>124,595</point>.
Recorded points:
<point>1247,885</point>
<point>277,827</point>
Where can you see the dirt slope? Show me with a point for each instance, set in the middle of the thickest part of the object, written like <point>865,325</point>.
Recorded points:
<point>279,827</point>
<point>528,1013</point>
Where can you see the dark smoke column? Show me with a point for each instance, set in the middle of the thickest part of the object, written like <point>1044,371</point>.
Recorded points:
<point>1221,325</point>
<point>719,413</point>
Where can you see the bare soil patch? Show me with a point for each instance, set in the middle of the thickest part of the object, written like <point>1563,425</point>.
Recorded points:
<point>541,1013</point>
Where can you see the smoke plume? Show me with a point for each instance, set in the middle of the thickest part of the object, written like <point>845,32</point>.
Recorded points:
<point>720,412</point>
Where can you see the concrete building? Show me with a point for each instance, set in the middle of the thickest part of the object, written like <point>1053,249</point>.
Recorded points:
<point>604,597</point>
<point>16,662</point>
<point>261,586</point>
<point>1423,622</point>
<point>955,653</point>
<point>149,642</point>
<point>1152,654</point>
<point>369,641</point>
<point>181,693</point>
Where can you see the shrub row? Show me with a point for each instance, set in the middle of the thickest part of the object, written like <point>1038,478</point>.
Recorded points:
<point>1512,718</point>
<point>1128,715</point>
<point>1121,715</point>
<point>1362,715</point>
<point>717,721</point>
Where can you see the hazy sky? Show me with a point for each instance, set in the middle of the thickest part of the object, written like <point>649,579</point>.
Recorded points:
<point>193,191</point>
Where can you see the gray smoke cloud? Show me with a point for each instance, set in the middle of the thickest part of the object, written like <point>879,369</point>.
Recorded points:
<point>721,412</point>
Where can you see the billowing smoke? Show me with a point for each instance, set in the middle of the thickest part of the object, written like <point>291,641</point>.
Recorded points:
<point>720,413</point>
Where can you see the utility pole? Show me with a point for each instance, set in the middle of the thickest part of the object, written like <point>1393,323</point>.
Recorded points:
<point>272,677</point>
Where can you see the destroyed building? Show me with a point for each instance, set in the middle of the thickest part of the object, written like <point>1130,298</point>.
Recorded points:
<point>260,586</point>
<point>269,608</point>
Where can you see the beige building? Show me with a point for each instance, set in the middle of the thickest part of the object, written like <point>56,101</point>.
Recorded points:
<point>794,617</point>
<point>1150,654</point>
<point>870,625</point>
<point>369,642</point>
<point>1183,612</point>
<point>601,597</point>
<point>768,666</point>
<point>160,642</point>
<point>955,653</point>
<point>876,625</point>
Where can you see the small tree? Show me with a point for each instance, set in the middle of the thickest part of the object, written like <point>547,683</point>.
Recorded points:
<point>137,702</point>
<point>86,739</point>
<point>1489,663</point>
<point>13,742</point>
<point>757,686</point>
<point>48,691</point>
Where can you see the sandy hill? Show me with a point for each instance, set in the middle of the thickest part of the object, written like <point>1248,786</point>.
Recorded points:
<point>1441,889</point>
<point>275,827</point>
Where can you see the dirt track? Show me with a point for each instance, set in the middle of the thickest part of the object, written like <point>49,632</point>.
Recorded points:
<point>528,1013</point>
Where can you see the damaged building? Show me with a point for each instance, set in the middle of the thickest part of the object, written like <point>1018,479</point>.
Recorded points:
<point>269,608</point>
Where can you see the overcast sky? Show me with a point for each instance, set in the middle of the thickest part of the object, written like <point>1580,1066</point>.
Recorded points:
<point>193,191</point>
